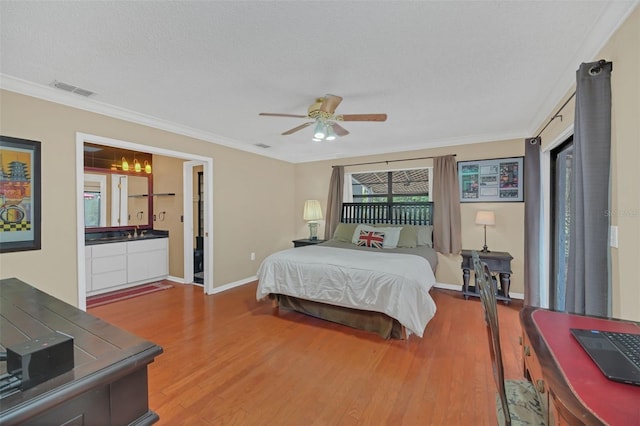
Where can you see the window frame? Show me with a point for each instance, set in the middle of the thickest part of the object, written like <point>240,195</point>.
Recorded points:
<point>389,196</point>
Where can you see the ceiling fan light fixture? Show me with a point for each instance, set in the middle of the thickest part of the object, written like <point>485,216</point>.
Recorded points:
<point>331,135</point>
<point>319,132</point>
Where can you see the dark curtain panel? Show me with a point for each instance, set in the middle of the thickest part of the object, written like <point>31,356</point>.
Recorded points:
<point>334,201</point>
<point>447,236</point>
<point>588,286</point>
<point>532,215</point>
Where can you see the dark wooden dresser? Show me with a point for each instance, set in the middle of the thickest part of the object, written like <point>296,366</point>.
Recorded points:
<point>108,384</point>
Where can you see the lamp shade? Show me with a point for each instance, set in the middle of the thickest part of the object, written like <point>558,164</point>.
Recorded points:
<point>319,131</point>
<point>312,210</point>
<point>485,218</point>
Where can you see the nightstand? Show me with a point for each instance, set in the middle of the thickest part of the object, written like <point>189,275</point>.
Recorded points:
<point>306,242</point>
<point>499,262</point>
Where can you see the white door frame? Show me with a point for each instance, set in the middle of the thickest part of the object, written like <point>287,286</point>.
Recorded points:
<point>207,163</point>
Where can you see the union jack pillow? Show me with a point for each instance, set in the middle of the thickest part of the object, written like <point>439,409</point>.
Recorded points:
<point>370,239</point>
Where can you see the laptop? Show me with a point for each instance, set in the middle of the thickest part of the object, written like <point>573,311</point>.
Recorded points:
<point>616,354</point>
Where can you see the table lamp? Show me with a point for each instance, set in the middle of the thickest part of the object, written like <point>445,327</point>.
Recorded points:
<point>485,218</point>
<point>312,213</point>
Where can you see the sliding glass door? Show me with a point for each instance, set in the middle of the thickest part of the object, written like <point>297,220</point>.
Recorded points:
<point>561,172</point>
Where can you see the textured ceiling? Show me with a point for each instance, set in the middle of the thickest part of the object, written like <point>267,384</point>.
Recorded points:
<point>446,73</point>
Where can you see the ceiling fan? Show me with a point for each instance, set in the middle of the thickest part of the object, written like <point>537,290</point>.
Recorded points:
<point>322,112</point>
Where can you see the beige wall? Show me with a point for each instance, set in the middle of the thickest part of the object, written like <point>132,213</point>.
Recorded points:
<point>252,195</point>
<point>167,210</point>
<point>623,49</point>
<point>312,181</point>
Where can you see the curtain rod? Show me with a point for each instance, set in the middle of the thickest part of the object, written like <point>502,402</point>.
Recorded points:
<point>556,115</point>
<point>389,161</point>
<point>594,70</point>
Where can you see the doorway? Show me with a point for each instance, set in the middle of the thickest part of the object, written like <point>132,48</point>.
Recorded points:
<point>190,160</point>
<point>198,246</point>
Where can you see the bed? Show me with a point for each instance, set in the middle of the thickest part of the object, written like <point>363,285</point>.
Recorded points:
<point>375,274</point>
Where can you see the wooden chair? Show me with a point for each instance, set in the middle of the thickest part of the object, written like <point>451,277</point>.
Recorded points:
<point>517,401</point>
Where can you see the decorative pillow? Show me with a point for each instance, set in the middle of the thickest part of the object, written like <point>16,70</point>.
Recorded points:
<point>425,235</point>
<point>371,239</point>
<point>408,235</point>
<point>361,227</point>
<point>391,236</point>
<point>344,232</point>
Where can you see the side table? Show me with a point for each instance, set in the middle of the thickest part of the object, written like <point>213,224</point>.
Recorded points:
<point>306,242</point>
<point>499,262</point>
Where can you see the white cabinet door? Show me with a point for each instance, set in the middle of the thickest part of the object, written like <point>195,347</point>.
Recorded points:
<point>87,268</point>
<point>148,260</point>
<point>108,265</point>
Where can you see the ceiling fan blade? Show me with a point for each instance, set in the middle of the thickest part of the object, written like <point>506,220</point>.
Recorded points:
<point>363,117</point>
<point>340,131</point>
<point>272,114</point>
<point>330,103</point>
<point>295,129</point>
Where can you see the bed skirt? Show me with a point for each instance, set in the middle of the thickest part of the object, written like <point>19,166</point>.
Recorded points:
<point>375,322</point>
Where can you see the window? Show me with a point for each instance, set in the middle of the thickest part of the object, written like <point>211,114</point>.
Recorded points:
<point>92,209</point>
<point>95,200</point>
<point>412,185</point>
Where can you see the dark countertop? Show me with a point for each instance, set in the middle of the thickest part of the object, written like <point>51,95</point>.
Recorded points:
<point>94,238</point>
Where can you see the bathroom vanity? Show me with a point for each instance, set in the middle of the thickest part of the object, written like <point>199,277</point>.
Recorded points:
<point>117,260</point>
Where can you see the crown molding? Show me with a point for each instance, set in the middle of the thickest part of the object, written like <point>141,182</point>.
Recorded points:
<point>51,94</point>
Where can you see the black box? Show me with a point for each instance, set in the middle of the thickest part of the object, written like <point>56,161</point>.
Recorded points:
<point>38,360</point>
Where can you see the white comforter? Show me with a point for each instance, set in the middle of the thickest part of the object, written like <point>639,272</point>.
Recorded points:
<point>395,284</point>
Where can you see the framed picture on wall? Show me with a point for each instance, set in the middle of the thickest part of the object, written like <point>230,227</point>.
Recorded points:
<point>495,180</point>
<point>19,194</point>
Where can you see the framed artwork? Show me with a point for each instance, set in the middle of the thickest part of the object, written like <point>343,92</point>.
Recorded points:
<point>495,180</point>
<point>19,194</point>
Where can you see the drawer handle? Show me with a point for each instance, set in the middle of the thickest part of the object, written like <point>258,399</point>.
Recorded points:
<point>527,350</point>
<point>540,385</point>
<point>520,340</point>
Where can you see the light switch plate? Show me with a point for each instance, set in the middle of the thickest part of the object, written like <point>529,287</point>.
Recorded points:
<point>613,236</point>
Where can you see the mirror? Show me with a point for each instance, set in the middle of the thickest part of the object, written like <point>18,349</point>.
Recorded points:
<point>116,199</point>
<point>114,195</point>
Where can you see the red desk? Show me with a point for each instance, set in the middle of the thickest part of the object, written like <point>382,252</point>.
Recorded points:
<point>575,390</point>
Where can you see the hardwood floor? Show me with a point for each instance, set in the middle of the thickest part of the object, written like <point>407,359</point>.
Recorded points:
<point>228,360</point>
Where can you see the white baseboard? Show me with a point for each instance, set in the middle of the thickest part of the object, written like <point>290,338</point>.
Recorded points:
<point>234,284</point>
<point>457,287</point>
<point>229,286</point>
<point>448,286</point>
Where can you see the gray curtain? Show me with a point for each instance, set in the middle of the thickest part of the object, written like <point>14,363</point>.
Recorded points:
<point>532,215</point>
<point>447,236</point>
<point>334,201</point>
<point>588,286</point>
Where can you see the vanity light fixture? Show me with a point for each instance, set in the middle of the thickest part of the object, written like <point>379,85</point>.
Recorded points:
<point>136,166</point>
<point>147,167</point>
<point>125,165</point>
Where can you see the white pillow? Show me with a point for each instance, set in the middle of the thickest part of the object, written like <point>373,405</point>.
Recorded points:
<point>391,236</point>
<point>361,227</point>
